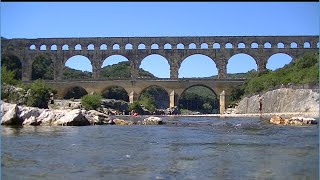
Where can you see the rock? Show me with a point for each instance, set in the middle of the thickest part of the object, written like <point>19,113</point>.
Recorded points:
<point>122,122</point>
<point>10,117</point>
<point>152,121</point>
<point>278,120</point>
<point>32,121</point>
<point>95,117</point>
<point>305,120</point>
<point>27,112</point>
<point>47,117</point>
<point>73,118</point>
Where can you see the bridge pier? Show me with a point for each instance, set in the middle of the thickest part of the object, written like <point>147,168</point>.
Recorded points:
<point>222,102</point>
<point>133,96</point>
<point>173,99</point>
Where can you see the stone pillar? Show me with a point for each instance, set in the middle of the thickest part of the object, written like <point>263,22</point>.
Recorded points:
<point>134,69</point>
<point>96,68</point>
<point>173,99</point>
<point>174,74</point>
<point>133,96</point>
<point>222,68</point>
<point>210,45</point>
<point>261,65</point>
<point>222,102</point>
<point>26,69</point>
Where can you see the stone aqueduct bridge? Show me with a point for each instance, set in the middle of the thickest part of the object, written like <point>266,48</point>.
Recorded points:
<point>175,49</point>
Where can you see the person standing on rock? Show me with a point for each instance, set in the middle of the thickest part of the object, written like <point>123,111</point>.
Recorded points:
<point>260,104</point>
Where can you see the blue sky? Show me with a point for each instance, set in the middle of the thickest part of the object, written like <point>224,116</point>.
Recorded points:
<point>111,19</point>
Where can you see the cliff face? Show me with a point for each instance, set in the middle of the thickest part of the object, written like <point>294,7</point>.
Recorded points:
<point>282,100</point>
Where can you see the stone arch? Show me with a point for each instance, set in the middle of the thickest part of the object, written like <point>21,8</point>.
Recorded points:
<point>54,47</point>
<point>216,46</point>
<point>116,46</point>
<point>129,46</point>
<point>192,46</point>
<point>158,94</point>
<point>80,64</point>
<point>115,92</point>
<point>267,45</point>
<point>14,63</point>
<point>90,47</point>
<point>155,65</point>
<point>65,47</point>
<point>202,63</point>
<point>283,58</point>
<point>241,45</point>
<point>228,45</point>
<point>306,45</point>
<point>78,47</point>
<point>188,101</point>
<point>167,46</point>
<point>42,67</point>
<point>204,46</point>
<point>141,46</point>
<point>43,47</point>
<point>75,92</point>
<point>254,45</point>
<point>180,46</point>
<point>32,47</point>
<point>293,45</point>
<point>154,46</point>
<point>111,60</point>
<point>236,63</point>
<point>103,47</point>
<point>280,45</point>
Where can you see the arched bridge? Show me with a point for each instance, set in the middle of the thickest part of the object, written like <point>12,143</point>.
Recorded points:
<point>175,49</point>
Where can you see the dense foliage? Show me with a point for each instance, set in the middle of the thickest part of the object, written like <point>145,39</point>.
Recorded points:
<point>42,68</point>
<point>7,76</point>
<point>38,94</point>
<point>13,63</point>
<point>157,95</point>
<point>116,92</point>
<point>90,102</point>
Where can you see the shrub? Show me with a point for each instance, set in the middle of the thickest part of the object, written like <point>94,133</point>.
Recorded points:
<point>38,94</point>
<point>7,76</point>
<point>90,102</point>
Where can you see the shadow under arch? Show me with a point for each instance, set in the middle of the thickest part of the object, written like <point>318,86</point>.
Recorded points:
<point>200,98</point>
<point>241,63</point>
<point>278,60</point>
<point>115,92</point>
<point>156,64</point>
<point>201,64</point>
<point>157,94</point>
<point>13,63</point>
<point>75,92</point>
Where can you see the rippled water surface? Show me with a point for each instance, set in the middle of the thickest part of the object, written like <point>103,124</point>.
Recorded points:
<point>184,148</point>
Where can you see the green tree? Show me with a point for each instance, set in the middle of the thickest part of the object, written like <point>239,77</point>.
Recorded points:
<point>38,94</point>
<point>7,76</point>
<point>91,102</point>
<point>42,68</point>
<point>13,63</point>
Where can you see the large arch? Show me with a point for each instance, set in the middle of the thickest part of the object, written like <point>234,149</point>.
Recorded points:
<point>197,65</point>
<point>199,98</point>
<point>156,65</point>
<point>278,60</point>
<point>115,66</point>
<point>240,63</point>
<point>115,92</point>
<point>157,94</point>
<point>13,63</point>
<point>75,92</point>
<point>42,68</point>
<point>77,67</point>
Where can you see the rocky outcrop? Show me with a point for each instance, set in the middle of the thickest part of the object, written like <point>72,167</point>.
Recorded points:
<point>292,121</point>
<point>152,121</point>
<point>73,118</point>
<point>97,118</point>
<point>122,122</point>
<point>10,116</point>
<point>281,100</point>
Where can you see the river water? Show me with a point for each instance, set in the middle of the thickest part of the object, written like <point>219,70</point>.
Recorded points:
<point>184,148</point>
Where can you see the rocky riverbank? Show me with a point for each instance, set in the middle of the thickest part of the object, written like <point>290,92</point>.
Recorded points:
<point>12,114</point>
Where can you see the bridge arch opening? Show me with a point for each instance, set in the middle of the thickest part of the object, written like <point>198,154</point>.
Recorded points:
<point>267,45</point>
<point>157,95</point>
<point>293,45</point>
<point>280,45</point>
<point>216,46</point>
<point>180,46</point>
<point>128,46</point>
<point>75,92</point>
<point>167,46</point>
<point>77,67</point>
<point>192,46</point>
<point>318,45</point>
<point>42,68</point>
<point>154,46</point>
<point>116,47</point>
<point>278,60</point>
<point>229,45</point>
<point>65,47</point>
<point>43,47</point>
<point>53,47</point>
<point>204,46</point>
<point>12,63</point>
<point>156,65</point>
<point>197,65</point>
<point>306,45</point>
<point>115,66</point>
<point>90,47</point>
<point>241,45</point>
<point>198,99</point>
<point>115,92</point>
<point>254,45</point>
<point>141,46</point>
<point>103,47</point>
<point>78,47</point>
<point>239,64</point>
<point>32,47</point>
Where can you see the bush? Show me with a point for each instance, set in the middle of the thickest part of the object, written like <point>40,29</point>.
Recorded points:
<point>7,76</point>
<point>90,102</point>
<point>38,94</point>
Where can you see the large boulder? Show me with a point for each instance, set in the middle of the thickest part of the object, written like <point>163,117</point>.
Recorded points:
<point>31,121</point>
<point>72,118</point>
<point>152,121</point>
<point>122,122</point>
<point>10,117</point>
<point>297,121</point>
<point>95,117</point>
<point>27,112</point>
<point>278,120</point>
<point>48,116</point>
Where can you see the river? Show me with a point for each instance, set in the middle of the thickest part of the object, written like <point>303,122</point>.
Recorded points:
<point>184,148</point>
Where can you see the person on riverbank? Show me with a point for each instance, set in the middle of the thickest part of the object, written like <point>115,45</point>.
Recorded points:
<point>260,104</point>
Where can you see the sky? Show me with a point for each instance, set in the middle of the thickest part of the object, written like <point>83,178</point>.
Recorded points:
<point>131,19</point>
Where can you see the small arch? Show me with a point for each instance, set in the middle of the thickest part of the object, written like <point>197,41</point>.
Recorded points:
<point>180,46</point>
<point>167,46</point>
<point>318,45</point>
<point>142,46</point>
<point>54,47</point>
<point>32,47</point>
<point>192,46</point>
<point>115,92</point>
<point>154,46</point>
<point>216,46</point>
<point>254,45</point>
<point>90,47</point>
<point>204,46</point>
<point>267,45</point>
<point>65,47</point>
<point>128,46</point>
<point>77,47</point>
<point>116,47</point>
<point>43,47</point>
<point>280,45</point>
<point>103,47</point>
<point>75,92</point>
<point>241,45</point>
<point>293,45</point>
<point>306,45</point>
<point>229,45</point>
